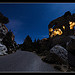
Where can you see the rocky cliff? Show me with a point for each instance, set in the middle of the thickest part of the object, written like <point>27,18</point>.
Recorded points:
<point>63,23</point>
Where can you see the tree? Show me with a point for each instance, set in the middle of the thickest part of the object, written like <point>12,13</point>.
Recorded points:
<point>35,45</point>
<point>7,40</point>
<point>27,45</point>
<point>38,46</point>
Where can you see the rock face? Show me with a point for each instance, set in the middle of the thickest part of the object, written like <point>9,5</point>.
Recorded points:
<point>3,29</point>
<point>3,19</point>
<point>60,52</point>
<point>61,40</point>
<point>71,45</point>
<point>71,51</point>
<point>3,49</point>
<point>61,22</point>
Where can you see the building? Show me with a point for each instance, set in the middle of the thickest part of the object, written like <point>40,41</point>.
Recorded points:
<point>63,25</point>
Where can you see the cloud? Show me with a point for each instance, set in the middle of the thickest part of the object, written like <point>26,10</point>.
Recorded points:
<point>14,23</point>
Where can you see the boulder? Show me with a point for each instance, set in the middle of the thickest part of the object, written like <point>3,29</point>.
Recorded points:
<point>60,52</point>
<point>70,46</point>
<point>3,49</point>
<point>61,40</point>
<point>71,51</point>
<point>0,40</point>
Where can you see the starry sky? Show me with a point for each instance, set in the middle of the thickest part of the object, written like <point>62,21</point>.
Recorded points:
<point>33,18</point>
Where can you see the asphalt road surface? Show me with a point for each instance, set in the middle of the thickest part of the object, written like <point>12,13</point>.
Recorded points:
<point>23,61</point>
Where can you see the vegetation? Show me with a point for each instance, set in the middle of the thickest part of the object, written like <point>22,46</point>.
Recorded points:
<point>8,42</point>
<point>40,47</point>
<point>27,44</point>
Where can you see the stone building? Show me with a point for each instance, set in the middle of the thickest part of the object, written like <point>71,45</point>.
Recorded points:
<point>63,25</point>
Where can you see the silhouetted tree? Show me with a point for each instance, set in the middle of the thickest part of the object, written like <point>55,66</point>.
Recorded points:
<point>27,45</point>
<point>38,46</point>
<point>34,44</point>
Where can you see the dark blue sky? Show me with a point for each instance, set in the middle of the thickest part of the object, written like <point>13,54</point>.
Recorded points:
<point>33,18</point>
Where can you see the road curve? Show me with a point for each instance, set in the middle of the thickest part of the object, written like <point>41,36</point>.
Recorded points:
<point>23,61</point>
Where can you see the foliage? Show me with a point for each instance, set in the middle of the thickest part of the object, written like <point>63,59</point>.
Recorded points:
<point>27,44</point>
<point>39,46</point>
<point>7,41</point>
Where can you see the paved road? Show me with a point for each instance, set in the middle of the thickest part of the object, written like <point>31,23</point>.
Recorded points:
<point>22,61</point>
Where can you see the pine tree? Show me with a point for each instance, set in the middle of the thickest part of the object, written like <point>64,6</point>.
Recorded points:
<point>38,45</point>
<point>27,45</point>
<point>35,45</point>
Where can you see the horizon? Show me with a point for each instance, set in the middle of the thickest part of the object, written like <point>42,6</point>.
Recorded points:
<point>33,18</point>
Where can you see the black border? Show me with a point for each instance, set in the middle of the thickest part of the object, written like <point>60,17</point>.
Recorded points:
<point>37,1</point>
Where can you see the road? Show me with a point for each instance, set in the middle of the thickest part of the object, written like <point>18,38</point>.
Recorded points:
<point>23,61</point>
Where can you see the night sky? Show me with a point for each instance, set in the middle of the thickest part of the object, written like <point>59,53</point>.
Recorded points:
<point>33,18</point>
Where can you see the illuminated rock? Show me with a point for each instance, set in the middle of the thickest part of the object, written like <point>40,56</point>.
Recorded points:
<point>50,30</point>
<point>66,23</point>
<point>56,31</point>
<point>63,27</point>
<point>72,25</point>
